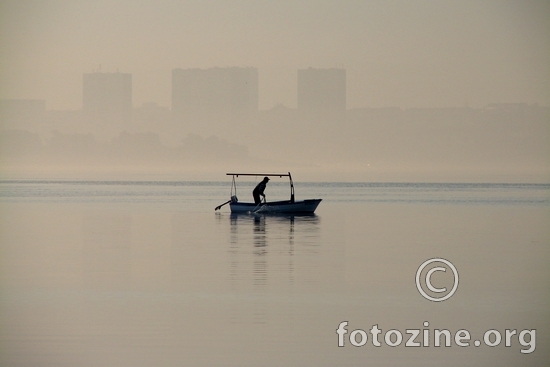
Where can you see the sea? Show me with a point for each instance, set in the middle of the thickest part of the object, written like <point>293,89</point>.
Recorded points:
<point>147,273</point>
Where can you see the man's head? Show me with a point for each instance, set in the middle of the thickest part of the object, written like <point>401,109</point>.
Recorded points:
<point>266,179</point>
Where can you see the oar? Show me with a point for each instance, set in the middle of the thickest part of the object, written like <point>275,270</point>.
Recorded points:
<point>219,206</point>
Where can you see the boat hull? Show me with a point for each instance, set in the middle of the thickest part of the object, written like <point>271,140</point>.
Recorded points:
<point>307,206</point>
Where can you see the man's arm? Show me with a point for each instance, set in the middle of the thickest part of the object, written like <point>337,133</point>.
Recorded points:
<point>262,189</point>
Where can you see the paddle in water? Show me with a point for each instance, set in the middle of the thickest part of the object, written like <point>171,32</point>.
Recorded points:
<point>219,206</point>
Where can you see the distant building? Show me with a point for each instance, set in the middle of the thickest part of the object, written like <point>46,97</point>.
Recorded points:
<point>107,96</point>
<point>219,94</point>
<point>151,114</point>
<point>21,113</point>
<point>322,91</point>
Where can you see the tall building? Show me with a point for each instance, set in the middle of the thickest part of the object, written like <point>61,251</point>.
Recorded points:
<point>107,96</point>
<point>322,90</point>
<point>216,94</point>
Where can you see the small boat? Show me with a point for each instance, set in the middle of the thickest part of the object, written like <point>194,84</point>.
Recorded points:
<point>291,206</point>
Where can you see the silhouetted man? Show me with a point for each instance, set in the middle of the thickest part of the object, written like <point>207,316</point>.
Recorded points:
<point>259,190</point>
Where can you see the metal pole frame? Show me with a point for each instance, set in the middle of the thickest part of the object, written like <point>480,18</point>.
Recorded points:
<point>234,185</point>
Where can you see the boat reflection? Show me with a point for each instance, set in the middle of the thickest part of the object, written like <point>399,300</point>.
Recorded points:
<point>270,253</point>
<point>267,228</point>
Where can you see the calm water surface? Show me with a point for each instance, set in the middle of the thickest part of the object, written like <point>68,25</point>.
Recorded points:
<point>135,273</point>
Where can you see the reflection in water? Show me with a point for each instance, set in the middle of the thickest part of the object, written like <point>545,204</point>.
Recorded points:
<point>262,254</point>
<point>275,226</point>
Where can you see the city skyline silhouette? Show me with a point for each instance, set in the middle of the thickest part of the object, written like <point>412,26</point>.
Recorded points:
<point>403,54</point>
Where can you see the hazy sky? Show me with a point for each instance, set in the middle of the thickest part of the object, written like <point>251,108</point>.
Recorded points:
<point>396,53</point>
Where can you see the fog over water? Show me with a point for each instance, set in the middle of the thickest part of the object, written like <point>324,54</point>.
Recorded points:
<point>433,91</point>
<point>424,127</point>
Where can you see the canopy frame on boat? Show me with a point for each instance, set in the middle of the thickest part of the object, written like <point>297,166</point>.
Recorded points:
<point>234,185</point>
